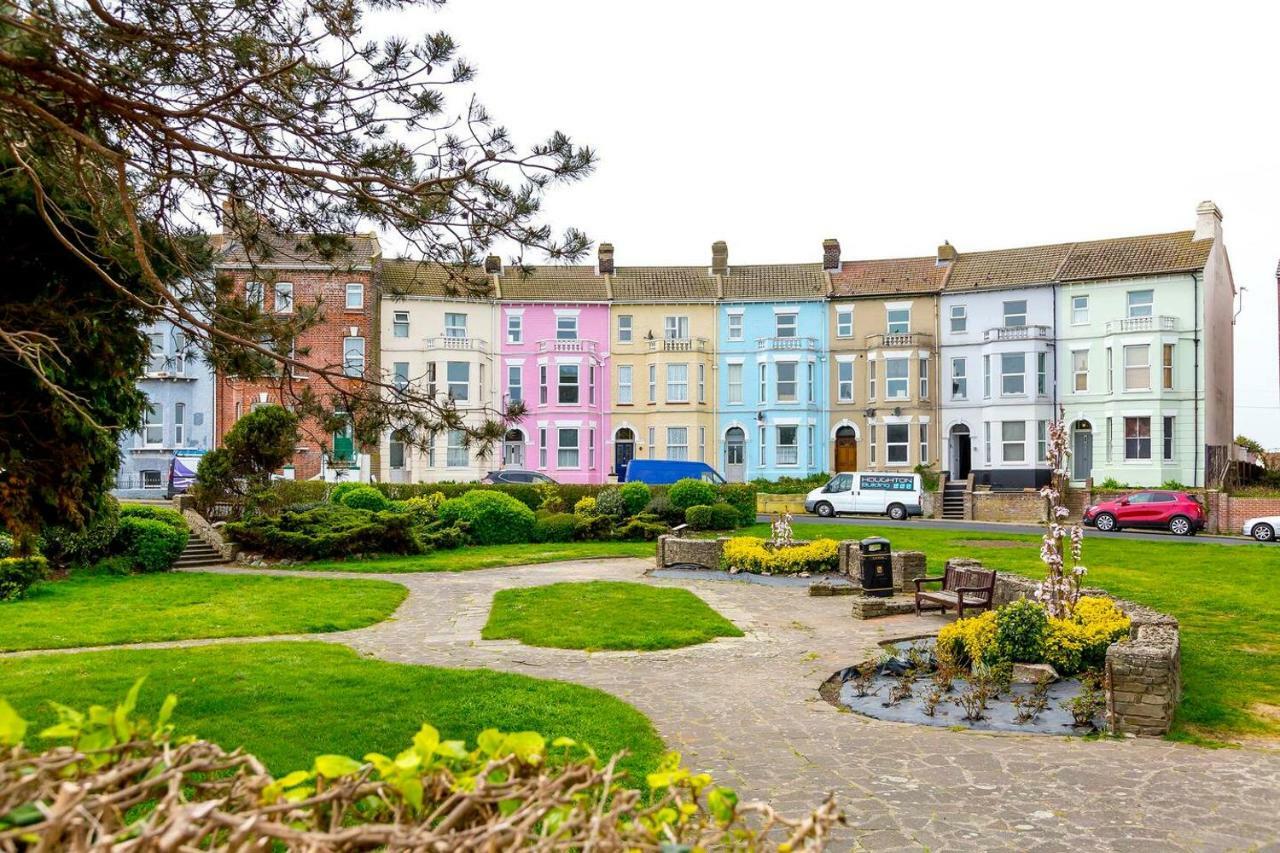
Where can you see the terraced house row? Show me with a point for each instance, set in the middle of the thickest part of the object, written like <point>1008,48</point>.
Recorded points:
<point>955,359</point>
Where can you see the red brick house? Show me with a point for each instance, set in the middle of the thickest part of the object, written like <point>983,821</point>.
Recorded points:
<point>346,340</point>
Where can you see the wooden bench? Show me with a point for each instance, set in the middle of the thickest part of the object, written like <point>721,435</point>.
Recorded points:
<point>962,588</point>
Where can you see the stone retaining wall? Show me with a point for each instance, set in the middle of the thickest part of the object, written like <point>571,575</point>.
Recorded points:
<point>1143,676</point>
<point>673,550</point>
<point>201,527</point>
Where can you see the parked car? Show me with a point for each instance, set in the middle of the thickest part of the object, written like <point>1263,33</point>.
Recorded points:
<point>516,476</point>
<point>1176,512</point>
<point>1263,528</point>
<point>898,496</point>
<point>664,472</point>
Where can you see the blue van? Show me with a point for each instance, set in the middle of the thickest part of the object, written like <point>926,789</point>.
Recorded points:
<point>663,472</point>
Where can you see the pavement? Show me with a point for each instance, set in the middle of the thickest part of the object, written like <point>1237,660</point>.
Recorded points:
<point>747,709</point>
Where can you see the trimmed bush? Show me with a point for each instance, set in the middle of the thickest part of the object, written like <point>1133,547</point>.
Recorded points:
<point>724,516</point>
<point>690,492</point>
<point>6,545</point>
<point>149,544</point>
<point>365,497</point>
<point>494,518</point>
<point>327,531</point>
<point>1020,630</point>
<point>967,640</point>
<point>421,510</point>
<point>742,496</point>
<point>341,490</point>
<point>750,554</point>
<point>662,507</point>
<point>17,574</point>
<point>1103,623</point>
<point>611,503</point>
<point>64,546</point>
<point>585,506</point>
<point>555,527</point>
<point>171,517</point>
<point>592,527</point>
<point>789,485</point>
<point>642,527</point>
<point>698,517</point>
<point>635,496</point>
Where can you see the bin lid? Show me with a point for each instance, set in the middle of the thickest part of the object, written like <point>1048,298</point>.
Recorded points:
<point>874,543</point>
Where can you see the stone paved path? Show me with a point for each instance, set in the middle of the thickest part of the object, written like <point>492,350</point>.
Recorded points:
<point>747,709</point>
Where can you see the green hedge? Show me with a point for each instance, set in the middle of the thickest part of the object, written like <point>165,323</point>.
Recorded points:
<point>150,545</point>
<point>327,531</point>
<point>492,518</point>
<point>17,574</point>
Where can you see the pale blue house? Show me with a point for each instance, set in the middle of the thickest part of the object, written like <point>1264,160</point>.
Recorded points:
<point>179,423</point>
<point>772,353</point>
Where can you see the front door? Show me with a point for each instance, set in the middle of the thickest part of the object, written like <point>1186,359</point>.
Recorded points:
<point>961,460</point>
<point>624,450</point>
<point>513,449</point>
<point>846,450</point>
<point>735,455</point>
<point>1082,454</point>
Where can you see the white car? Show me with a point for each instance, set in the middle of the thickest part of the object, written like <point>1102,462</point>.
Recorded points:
<point>1262,528</point>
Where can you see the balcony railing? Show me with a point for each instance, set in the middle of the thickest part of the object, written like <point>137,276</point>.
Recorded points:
<point>899,339</point>
<point>1017,333</point>
<point>1159,323</point>
<point>793,343</point>
<point>558,345</point>
<point>677,345</point>
<point>452,342</point>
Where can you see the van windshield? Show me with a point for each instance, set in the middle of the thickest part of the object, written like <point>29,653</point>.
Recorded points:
<point>840,483</point>
<point>713,477</point>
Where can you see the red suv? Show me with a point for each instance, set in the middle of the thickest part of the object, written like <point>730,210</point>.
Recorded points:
<point>1176,512</point>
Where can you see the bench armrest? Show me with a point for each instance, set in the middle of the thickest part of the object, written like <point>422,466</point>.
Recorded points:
<point>919,581</point>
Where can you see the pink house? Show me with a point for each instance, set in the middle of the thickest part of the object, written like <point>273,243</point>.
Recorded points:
<point>554,326</point>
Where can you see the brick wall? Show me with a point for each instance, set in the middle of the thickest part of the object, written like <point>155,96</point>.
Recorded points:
<point>1227,513</point>
<point>324,341</point>
<point>1024,506</point>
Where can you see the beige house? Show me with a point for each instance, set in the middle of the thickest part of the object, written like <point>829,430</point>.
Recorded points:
<point>884,374</point>
<point>662,334</point>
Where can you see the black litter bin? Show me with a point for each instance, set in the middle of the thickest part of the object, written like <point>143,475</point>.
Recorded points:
<point>875,566</point>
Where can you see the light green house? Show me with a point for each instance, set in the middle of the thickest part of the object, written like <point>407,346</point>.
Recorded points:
<point>1145,355</point>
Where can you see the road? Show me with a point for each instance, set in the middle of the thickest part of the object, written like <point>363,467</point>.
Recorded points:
<point>998,527</point>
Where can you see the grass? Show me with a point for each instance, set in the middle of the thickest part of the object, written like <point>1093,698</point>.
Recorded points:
<point>600,615</point>
<point>104,610</point>
<point>484,557</point>
<point>1226,598</point>
<point>290,701</point>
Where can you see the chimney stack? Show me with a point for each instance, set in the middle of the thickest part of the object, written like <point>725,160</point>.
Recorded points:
<point>493,265</point>
<point>946,253</point>
<point>719,258</point>
<point>831,254</point>
<point>1208,221</point>
<point>604,259</point>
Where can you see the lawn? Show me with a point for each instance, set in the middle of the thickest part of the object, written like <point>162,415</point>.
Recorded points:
<point>1226,598</point>
<point>600,615</point>
<point>290,701</point>
<point>484,557</point>
<point>104,610</point>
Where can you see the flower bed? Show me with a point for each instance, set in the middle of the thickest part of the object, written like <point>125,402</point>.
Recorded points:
<point>749,554</point>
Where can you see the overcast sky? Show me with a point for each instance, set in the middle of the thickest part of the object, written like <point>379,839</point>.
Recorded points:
<point>894,126</point>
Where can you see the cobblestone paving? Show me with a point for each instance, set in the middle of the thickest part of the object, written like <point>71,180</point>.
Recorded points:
<point>747,709</point>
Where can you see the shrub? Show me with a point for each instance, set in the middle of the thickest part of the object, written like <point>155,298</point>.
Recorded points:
<point>660,505</point>
<point>690,492</point>
<point>968,640</point>
<point>327,531</point>
<point>790,485</point>
<point>6,545</point>
<point>750,554</point>
<point>635,496</point>
<point>119,565</point>
<point>445,537</point>
<point>422,510</point>
<point>17,574</point>
<point>741,496</point>
<point>549,499</point>
<point>585,506</point>
<point>171,517</point>
<point>341,490</point>
<point>149,544</point>
<point>494,518</point>
<point>1103,623</point>
<point>64,546</point>
<point>642,527</point>
<point>611,503</point>
<point>365,497</point>
<point>592,527</point>
<point>724,516</point>
<point>698,517</point>
<point>555,527</point>
<point>1020,629</point>
<point>1064,645</point>
<point>929,478</point>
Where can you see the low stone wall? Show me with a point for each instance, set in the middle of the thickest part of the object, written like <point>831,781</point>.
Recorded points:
<point>673,550</point>
<point>212,536</point>
<point>1143,676</point>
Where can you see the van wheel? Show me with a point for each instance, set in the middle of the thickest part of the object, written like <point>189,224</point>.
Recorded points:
<point>1106,522</point>
<point>1180,525</point>
<point>1263,532</point>
<point>897,512</point>
<point>825,510</point>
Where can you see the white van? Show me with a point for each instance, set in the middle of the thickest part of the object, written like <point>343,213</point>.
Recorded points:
<point>895,495</point>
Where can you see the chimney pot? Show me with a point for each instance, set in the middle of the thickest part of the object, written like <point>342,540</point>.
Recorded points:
<point>831,254</point>
<point>719,258</point>
<point>493,265</point>
<point>604,259</point>
<point>1208,221</point>
<point>946,253</point>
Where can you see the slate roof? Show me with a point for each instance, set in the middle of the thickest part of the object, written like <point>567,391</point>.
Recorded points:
<point>775,281</point>
<point>692,283</point>
<point>334,251</point>
<point>1120,257</point>
<point>887,276</point>
<point>406,277</point>
<point>552,282</point>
